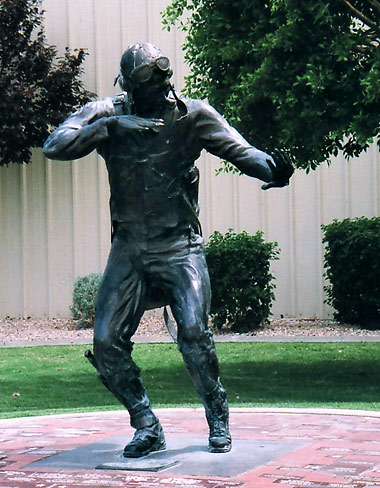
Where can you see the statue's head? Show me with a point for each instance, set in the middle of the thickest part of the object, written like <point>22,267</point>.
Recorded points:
<point>143,66</point>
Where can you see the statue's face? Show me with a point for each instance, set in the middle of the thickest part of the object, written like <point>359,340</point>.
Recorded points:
<point>155,88</point>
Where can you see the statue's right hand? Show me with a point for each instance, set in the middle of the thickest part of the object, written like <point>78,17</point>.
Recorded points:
<point>282,169</point>
<point>133,122</point>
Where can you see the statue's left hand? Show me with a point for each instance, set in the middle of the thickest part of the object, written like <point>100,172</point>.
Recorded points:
<point>282,169</point>
<point>132,122</point>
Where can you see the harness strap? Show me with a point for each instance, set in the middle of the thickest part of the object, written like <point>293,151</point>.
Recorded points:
<point>170,325</point>
<point>121,104</point>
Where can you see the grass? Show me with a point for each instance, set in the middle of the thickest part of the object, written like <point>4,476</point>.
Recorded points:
<point>57,379</point>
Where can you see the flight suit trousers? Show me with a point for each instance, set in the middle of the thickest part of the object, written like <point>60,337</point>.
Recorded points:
<point>175,265</point>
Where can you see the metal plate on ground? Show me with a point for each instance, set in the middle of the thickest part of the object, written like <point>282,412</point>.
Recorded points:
<point>184,455</point>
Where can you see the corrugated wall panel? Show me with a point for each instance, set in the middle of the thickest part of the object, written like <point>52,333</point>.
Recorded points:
<point>11,252</point>
<point>54,216</point>
<point>34,241</point>
<point>306,242</point>
<point>279,228</point>
<point>60,236</point>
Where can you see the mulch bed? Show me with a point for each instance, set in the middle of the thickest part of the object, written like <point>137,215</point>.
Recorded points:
<point>152,324</point>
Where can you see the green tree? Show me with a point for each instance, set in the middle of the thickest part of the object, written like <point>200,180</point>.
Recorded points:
<point>300,75</point>
<point>37,88</point>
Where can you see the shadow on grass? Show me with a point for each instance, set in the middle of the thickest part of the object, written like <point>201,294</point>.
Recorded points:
<point>322,382</point>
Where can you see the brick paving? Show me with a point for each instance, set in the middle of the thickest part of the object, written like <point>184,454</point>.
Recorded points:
<point>331,449</point>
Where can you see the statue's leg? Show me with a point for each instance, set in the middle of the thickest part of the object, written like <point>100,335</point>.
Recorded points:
<point>187,282</point>
<point>120,305</point>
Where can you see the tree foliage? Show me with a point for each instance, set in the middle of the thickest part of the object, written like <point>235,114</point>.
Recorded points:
<point>297,75</point>
<point>38,89</point>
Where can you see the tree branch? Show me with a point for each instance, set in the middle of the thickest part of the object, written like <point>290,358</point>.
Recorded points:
<point>361,16</point>
<point>375,4</point>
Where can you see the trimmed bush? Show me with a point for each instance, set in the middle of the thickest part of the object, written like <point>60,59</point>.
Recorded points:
<point>241,283</point>
<point>352,263</point>
<point>84,295</point>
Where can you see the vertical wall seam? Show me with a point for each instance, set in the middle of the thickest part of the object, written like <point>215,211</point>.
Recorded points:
<point>74,217</point>
<point>292,251</point>
<point>99,216</point>
<point>266,217</point>
<point>319,218</point>
<point>235,203</point>
<point>177,56</point>
<point>74,266</point>
<point>323,169</point>
<point>98,168</point>
<point>262,210</point>
<point>346,187</point>
<point>148,20</point>
<point>375,180</point>
<point>121,16</point>
<point>208,194</point>
<point>67,8</point>
<point>94,39</point>
<point>49,233</point>
<point>24,239</point>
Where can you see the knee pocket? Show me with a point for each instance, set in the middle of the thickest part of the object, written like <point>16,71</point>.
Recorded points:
<point>111,359</point>
<point>190,333</point>
<point>196,336</point>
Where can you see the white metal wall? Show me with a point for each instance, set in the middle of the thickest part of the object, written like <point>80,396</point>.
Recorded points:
<point>54,221</point>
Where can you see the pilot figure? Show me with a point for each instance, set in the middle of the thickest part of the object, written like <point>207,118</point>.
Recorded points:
<point>150,138</point>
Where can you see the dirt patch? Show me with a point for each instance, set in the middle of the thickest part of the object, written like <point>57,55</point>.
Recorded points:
<point>152,324</point>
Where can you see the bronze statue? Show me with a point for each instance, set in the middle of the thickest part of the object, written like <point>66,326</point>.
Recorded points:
<point>150,138</point>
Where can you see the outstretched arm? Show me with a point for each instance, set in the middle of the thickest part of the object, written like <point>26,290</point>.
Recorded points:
<point>222,140</point>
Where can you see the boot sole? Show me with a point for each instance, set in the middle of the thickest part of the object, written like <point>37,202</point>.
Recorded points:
<point>161,446</point>
<point>219,449</point>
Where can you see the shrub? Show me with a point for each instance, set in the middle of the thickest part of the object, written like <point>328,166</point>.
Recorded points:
<point>84,295</point>
<point>352,263</point>
<point>241,282</point>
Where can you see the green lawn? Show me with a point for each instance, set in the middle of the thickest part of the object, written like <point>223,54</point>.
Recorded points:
<point>59,379</point>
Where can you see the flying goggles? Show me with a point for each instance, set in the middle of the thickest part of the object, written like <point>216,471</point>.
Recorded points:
<point>144,72</point>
